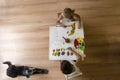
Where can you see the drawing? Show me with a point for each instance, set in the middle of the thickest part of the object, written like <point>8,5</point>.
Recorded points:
<point>68,53</point>
<point>61,52</point>
<point>72,31</point>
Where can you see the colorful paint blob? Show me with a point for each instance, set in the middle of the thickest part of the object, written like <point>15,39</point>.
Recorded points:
<point>79,43</point>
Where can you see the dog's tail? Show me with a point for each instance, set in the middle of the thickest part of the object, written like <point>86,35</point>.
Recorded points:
<point>8,63</point>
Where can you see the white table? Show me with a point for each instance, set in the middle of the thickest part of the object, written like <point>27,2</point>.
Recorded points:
<point>57,45</point>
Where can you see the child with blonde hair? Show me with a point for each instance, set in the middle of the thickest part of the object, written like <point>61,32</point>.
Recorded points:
<point>68,15</point>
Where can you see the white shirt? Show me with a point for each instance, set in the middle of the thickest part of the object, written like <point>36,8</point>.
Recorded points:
<point>64,20</point>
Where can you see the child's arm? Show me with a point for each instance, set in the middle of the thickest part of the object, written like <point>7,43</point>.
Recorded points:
<point>77,18</point>
<point>58,21</point>
<point>77,54</point>
<point>78,57</point>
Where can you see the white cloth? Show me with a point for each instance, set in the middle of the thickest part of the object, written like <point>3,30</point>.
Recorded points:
<point>64,20</point>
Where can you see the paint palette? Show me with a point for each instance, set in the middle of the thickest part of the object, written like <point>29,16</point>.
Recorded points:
<point>79,43</point>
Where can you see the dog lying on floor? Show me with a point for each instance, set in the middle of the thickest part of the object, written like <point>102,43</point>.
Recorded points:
<point>14,71</point>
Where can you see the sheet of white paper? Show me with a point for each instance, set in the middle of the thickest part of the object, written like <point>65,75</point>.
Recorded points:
<point>56,41</point>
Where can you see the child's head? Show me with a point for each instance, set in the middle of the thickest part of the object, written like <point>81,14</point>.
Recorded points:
<point>68,13</point>
<point>66,67</point>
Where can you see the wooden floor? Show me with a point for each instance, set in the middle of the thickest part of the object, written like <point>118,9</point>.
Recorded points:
<point>24,36</point>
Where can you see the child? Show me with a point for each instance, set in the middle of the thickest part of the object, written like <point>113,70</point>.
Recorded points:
<point>14,71</point>
<point>68,15</point>
<point>70,68</point>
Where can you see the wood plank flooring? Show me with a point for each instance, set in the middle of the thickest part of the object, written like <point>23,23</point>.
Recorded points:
<point>24,36</point>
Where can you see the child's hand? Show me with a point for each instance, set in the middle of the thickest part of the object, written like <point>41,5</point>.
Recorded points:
<point>69,48</point>
<point>64,26</point>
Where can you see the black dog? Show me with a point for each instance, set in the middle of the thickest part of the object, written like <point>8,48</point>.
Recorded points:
<point>14,71</point>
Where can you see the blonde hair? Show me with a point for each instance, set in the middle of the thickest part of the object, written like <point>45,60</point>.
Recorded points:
<point>68,13</point>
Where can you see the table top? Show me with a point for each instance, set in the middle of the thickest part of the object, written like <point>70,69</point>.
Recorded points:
<point>57,45</point>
